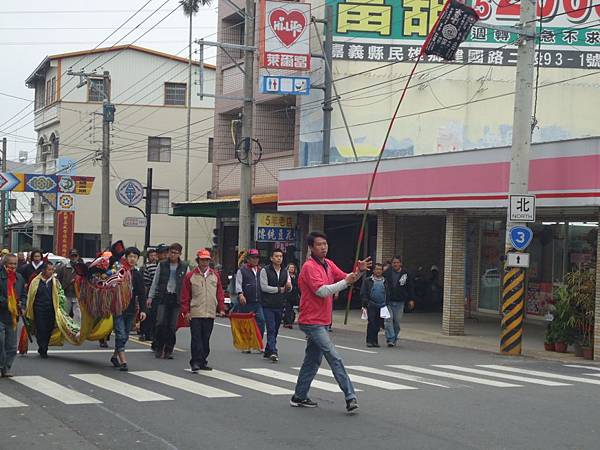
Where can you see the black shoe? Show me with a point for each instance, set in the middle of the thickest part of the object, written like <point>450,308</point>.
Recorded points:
<point>43,354</point>
<point>266,355</point>
<point>103,344</point>
<point>158,354</point>
<point>195,368</point>
<point>299,403</point>
<point>124,367</point>
<point>391,344</point>
<point>376,345</point>
<point>370,345</point>
<point>275,357</point>
<point>351,405</point>
<point>205,367</point>
<point>247,352</point>
<point>168,355</point>
<point>115,361</point>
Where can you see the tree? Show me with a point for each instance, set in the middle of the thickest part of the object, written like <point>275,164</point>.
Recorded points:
<point>190,9</point>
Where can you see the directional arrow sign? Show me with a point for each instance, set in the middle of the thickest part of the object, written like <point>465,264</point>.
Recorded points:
<point>517,260</point>
<point>8,182</point>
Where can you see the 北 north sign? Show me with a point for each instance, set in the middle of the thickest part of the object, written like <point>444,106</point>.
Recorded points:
<point>130,192</point>
<point>522,208</point>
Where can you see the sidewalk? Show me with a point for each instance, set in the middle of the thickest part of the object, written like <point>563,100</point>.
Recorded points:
<point>482,333</point>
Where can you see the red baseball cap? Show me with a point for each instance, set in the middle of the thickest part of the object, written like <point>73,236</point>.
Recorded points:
<point>203,254</point>
<point>253,252</point>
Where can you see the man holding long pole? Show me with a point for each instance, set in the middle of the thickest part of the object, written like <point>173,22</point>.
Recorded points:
<point>319,280</point>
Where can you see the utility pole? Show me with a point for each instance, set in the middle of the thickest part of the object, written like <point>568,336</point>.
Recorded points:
<point>327,108</point>
<point>245,218</point>
<point>3,199</point>
<point>108,114</point>
<point>186,233</point>
<point>148,209</point>
<point>513,295</point>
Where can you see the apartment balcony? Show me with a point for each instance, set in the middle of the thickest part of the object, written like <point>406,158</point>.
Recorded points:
<point>46,116</point>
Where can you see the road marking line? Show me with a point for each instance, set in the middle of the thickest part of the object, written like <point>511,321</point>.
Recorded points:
<point>184,384</point>
<point>400,376</point>
<point>368,381</point>
<point>56,352</point>
<point>454,376</point>
<point>245,382</point>
<point>577,366</point>
<point>118,387</point>
<point>149,344</point>
<point>282,376</point>
<point>539,374</point>
<point>293,338</point>
<point>55,390</point>
<point>502,375</point>
<point>9,402</point>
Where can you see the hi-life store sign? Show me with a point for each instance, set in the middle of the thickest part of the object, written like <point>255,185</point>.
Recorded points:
<point>394,30</point>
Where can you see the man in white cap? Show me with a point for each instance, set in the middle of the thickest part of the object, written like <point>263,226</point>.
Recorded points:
<point>202,299</point>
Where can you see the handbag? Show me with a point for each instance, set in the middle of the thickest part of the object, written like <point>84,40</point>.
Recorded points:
<point>384,312</point>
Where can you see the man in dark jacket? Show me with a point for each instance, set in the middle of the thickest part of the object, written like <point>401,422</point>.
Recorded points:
<point>12,297</point>
<point>42,293</point>
<point>247,285</point>
<point>123,322</point>
<point>274,283</point>
<point>166,293</point>
<point>66,275</point>
<point>401,290</point>
<point>374,296</point>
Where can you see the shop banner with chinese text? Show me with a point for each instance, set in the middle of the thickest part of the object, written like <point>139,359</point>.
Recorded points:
<point>394,30</point>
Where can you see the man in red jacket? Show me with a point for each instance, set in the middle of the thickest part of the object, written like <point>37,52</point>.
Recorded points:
<point>202,298</point>
<point>319,280</point>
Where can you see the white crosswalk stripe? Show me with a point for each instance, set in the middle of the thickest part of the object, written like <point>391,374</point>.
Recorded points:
<point>455,376</point>
<point>368,381</point>
<point>398,375</point>
<point>9,402</point>
<point>248,383</point>
<point>184,384</point>
<point>55,390</point>
<point>577,366</point>
<point>537,373</point>
<point>501,375</point>
<point>119,387</point>
<point>282,376</point>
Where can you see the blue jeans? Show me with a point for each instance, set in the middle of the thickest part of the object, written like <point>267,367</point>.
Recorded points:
<point>8,345</point>
<point>122,325</point>
<point>318,345</point>
<point>392,325</point>
<point>273,318</point>
<point>257,309</point>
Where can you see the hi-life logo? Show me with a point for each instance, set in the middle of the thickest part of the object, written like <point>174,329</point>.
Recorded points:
<point>288,26</point>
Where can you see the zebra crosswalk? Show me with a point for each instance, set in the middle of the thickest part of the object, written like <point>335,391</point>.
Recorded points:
<point>155,386</point>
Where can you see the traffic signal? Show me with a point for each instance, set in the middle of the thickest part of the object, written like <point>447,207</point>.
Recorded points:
<point>215,238</point>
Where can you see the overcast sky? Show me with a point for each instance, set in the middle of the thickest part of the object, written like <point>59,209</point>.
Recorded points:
<point>29,31</point>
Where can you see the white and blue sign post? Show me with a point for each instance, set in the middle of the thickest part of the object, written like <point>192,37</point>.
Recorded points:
<point>282,85</point>
<point>520,237</point>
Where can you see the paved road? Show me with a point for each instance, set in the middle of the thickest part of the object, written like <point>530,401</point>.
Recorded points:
<point>416,396</point>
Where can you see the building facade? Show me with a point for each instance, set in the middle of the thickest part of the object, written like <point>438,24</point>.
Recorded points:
<point>149,91</point>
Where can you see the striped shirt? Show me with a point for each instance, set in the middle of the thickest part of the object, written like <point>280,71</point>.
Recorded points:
<point>149,271</point>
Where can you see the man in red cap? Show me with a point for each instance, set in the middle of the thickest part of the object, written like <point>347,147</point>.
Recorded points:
<point>202,298</point>
<point>247,285</point>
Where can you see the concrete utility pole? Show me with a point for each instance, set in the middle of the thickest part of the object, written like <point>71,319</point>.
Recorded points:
<point>513,295</point>
<point>327,108</point>
<point>3,199</point>
<point>186,233</point>
<point>108,114</point>
<point>245,218</point>
<point>148,208</point>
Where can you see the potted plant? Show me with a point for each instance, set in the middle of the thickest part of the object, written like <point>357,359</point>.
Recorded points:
<point>581,285</point>
<point>563,324</point>
<point>550,339</point>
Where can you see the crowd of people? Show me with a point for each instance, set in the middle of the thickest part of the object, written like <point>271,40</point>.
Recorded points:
<point>166,293</point>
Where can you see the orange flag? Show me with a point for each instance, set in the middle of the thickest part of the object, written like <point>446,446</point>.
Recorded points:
<point>245,332</point>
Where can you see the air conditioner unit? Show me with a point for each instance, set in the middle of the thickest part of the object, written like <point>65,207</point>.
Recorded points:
<point>23,156</point>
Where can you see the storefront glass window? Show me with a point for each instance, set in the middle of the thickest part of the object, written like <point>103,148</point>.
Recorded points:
<point>490,264</point>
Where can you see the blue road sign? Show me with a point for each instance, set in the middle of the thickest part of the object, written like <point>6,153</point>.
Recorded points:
<point>520,237</point>
<point>282,85</point>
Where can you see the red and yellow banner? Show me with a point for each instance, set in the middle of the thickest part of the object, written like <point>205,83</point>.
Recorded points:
<point>64,234</point>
